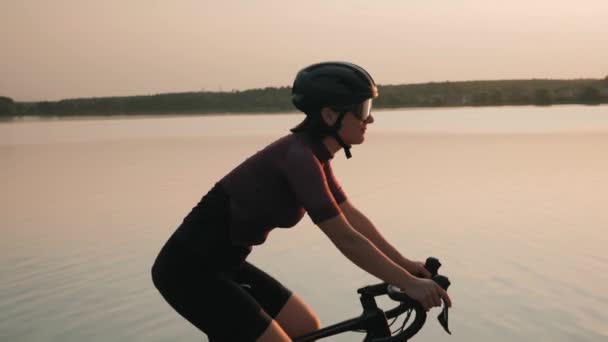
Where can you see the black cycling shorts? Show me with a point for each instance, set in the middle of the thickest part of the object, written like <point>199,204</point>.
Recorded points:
<point>207,280</point>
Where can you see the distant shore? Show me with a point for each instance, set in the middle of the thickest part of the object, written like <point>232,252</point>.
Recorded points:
<point>48,118</point>
<point>539,92</point>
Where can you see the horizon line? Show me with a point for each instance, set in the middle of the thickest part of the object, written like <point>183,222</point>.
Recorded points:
<point>203,90</point>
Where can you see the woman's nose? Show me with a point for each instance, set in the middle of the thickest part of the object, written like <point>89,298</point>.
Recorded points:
<point>369,120</point>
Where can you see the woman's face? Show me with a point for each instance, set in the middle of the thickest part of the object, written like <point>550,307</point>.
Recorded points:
<point>353,129</point>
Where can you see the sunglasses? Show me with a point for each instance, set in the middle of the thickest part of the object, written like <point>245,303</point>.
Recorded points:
<point>361,111</point>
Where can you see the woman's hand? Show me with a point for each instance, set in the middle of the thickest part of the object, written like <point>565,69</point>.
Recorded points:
<point>428,293</point>
<point>417,269</point>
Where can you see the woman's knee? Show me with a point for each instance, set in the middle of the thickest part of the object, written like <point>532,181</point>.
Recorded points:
<point>297,318</point>
<point>274,333</point>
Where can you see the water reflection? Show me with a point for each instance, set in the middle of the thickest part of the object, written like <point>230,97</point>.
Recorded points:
<point>517,217</point>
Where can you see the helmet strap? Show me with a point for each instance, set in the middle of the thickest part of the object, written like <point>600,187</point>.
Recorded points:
<point>334,133</point>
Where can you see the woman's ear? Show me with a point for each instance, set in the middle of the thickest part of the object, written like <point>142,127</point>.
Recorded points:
<point>329,116</point>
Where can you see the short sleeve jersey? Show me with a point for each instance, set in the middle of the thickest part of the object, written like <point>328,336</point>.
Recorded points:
<point>276,186</point>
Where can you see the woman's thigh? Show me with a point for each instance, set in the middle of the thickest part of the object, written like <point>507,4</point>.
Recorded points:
<point>297,318</point>
<point>265,289</point>
<point>289,310</point>
<point>216,305</point>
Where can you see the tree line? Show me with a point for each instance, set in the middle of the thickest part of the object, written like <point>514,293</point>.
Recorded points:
<point>540,92</point>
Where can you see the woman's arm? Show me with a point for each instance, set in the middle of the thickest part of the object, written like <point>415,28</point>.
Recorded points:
<point>363,253</point>
<point>364,226</point>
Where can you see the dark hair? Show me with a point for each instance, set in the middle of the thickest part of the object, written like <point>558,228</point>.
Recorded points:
<point>313,123</point>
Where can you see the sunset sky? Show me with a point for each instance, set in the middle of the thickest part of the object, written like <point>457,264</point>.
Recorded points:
<point>60,49</point>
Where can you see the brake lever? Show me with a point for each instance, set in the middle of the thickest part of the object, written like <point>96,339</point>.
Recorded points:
<point>444,282</point>
<point>432,265</point>
<point>443,318</point>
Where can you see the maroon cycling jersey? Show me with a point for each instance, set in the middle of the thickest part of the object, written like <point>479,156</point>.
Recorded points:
<point>276,186</point>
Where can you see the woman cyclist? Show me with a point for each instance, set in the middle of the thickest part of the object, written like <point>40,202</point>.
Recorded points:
<point>202,271</point>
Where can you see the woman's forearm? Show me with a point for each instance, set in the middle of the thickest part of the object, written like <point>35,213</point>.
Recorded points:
<point>364,226</point>
<point>365,254</point>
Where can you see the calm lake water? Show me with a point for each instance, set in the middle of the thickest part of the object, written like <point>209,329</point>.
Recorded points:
<point>513,201</point>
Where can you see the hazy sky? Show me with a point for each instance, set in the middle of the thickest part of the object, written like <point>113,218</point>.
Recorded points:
<point>55,49</point>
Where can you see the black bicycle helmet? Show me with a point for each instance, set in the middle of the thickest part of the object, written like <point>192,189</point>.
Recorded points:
<point>330,84</point>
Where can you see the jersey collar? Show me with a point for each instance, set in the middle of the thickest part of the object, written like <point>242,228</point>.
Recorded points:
<point>320,150</point>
